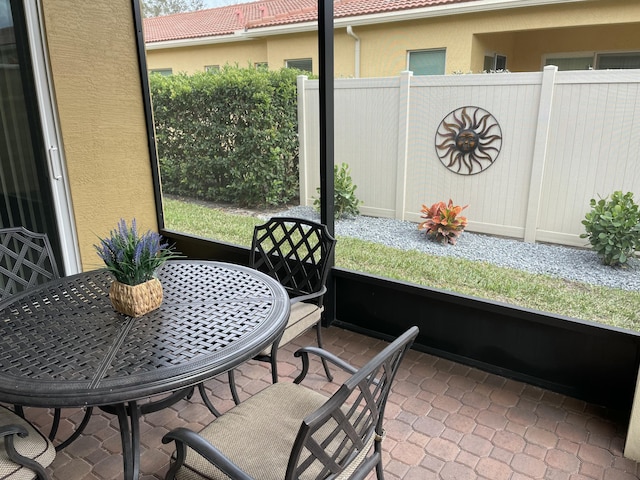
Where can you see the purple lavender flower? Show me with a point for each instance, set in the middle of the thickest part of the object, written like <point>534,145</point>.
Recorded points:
<point>131,258</point>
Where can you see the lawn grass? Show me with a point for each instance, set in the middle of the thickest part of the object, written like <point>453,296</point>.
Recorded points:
<point>604,305</point>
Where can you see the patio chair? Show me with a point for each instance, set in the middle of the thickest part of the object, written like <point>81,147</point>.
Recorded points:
<point>288,431</point>
<point>24,451</point>
<point>27,260</point>
<point>295,252</point>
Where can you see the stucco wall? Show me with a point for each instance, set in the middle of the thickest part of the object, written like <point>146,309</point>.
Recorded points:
<point>194,59</point>
<point>92,50</point>
<point>522,34</point>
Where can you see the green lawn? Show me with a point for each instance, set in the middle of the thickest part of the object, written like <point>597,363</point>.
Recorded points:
<point>609,306</point>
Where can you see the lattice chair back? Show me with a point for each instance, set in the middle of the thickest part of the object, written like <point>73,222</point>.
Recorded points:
<point>26,260</point>
<point>344,436</point>
<point>295,252</point>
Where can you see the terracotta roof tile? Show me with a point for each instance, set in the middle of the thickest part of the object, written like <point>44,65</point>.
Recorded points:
<point>265,13</point>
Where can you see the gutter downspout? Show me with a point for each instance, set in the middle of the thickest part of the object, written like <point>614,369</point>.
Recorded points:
<point>357,50</point>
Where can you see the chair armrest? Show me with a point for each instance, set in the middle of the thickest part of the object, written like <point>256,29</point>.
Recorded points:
<point>9,431</point>
<point>309,296</point>
<point>185,437</point>
<point>13,429</point>
<point>320,352</point>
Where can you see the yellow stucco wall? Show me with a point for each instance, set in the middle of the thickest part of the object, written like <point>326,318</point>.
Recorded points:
<point>194,59</point>
<point>96,78</point>
<point>292,47</point>
<point>523,34</point>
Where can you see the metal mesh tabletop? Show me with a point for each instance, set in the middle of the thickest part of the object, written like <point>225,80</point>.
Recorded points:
<point>63,344</point>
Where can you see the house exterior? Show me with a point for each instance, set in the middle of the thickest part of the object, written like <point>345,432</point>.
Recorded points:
<point>381,38</point>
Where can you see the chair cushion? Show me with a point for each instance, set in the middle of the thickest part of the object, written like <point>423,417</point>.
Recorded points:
<point>35,446</point>
<point>258,434</point>
<point>302,316</point>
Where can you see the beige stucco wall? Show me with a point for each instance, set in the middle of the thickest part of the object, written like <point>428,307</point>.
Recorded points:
<point>523,34</point>
<point>194,59</point>
<point>96,77</point>
<point>291,47</point>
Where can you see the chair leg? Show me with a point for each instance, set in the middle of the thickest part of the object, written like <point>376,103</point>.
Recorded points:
<point>274,362</point>
<point>324,362</point>
<point>378,448</point>
<point>205,399</point>
<point>55,424</point>
<point>232,386</point>
<point>85,421</point>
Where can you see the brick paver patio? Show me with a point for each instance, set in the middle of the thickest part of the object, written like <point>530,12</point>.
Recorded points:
<point>444,420</point>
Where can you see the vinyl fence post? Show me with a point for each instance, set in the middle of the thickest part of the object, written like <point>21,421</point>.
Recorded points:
<point>403,140</point>
<point>540,151</point>
<point>303,158</point>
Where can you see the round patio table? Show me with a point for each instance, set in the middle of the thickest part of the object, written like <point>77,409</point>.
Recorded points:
<point>63,345</point>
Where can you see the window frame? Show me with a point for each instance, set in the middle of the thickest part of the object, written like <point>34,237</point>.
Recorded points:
<point>442,50</point>
<point>593,55</point>
<point>300,60</point>
<point>162,71</point>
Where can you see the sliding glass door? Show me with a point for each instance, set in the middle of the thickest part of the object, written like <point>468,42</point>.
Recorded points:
<point>31,173</point>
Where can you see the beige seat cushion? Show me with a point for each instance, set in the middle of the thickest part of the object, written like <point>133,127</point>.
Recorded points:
<point>258,434</point>
<point>35,446</point>
<point>302,316</point>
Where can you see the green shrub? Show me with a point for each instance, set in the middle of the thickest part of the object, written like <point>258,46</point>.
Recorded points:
<point>613,228</point>
<point>230,137</point>
<point>345,202</point>
<point>443,222</point>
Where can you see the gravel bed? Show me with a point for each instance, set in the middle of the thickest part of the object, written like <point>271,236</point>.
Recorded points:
<point>569,263</point>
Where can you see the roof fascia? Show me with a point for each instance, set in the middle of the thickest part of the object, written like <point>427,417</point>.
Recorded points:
<point>239,36</point>
<point>359,20</point>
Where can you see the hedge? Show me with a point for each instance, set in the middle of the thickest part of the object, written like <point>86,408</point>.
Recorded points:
<point>229,136</point>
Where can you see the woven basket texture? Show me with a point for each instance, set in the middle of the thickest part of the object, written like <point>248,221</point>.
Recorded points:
<point>136,300</point>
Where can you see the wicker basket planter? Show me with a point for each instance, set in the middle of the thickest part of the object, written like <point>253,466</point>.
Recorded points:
<point>136,300</point>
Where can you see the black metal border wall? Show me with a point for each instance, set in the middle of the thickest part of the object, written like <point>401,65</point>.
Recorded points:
<point>581,359</point>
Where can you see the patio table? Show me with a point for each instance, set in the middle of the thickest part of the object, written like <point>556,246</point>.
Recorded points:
<point>63,345</point>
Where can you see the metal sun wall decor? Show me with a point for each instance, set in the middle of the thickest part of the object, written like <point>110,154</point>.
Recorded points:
<point>468,140</point>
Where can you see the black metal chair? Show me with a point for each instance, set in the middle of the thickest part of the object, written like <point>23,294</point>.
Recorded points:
<point>295,252</point>
<point>288,431</point>
<point>24,451</point>
<point>27,260</point>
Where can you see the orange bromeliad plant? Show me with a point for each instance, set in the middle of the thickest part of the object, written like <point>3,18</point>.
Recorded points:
<point>442,221</point>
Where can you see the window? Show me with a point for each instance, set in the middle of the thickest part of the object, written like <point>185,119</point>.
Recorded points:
<point>427,62</point>
<point>602,61</point>
<point>618,60</point>
<point>494,63</point>
<point>212,68</point>
<point>162,71</point>
<point>264,65</point>
<point>571,63</point>
<point>300,63</point>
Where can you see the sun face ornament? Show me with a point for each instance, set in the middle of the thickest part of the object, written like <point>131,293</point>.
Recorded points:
<point>468,140</point>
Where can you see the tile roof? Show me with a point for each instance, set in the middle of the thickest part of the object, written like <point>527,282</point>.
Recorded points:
<point>265,13</point>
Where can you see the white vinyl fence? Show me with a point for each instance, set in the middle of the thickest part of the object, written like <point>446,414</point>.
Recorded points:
<point>567,137</point>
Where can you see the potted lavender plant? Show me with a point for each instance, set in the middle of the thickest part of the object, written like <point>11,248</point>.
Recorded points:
<point>133,260</point>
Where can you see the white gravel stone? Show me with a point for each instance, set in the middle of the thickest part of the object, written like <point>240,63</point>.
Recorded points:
<point>574,264</point>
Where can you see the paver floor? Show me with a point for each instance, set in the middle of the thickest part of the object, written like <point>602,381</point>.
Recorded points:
<point>444,420</point>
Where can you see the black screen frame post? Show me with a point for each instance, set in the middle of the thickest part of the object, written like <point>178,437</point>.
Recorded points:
<point>327,183</point>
